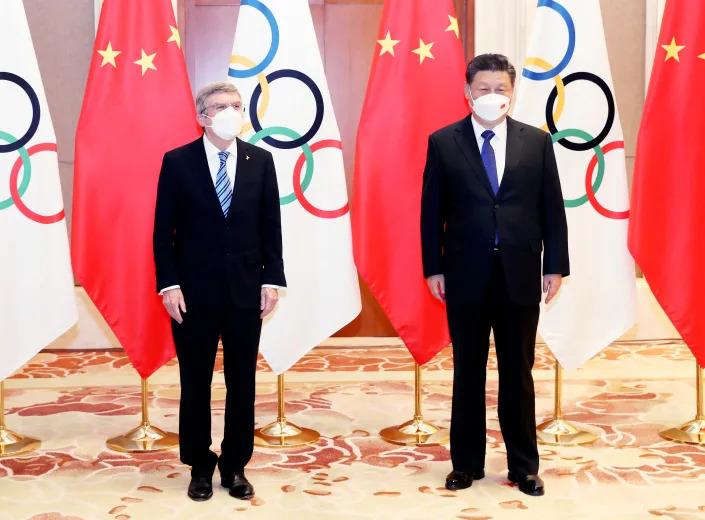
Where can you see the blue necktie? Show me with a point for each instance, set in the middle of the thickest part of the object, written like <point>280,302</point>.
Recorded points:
<point>488,159</point>
<point>222,184</point>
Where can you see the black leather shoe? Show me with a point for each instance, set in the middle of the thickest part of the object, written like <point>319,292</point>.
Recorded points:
<point>200,488</point>
<point>531,485</point>
<point>239,486</point>
<point>462,480</point>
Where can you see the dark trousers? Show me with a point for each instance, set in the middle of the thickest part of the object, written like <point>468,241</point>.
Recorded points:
<point>514,329</point>
<point>196,342</point>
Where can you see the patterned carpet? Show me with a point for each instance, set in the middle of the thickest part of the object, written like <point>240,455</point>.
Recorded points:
<point>74,401</point>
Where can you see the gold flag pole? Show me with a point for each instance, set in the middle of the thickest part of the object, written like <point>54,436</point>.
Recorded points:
<point>558,431</point>
<point>692,432</point>
<point>13,444</point>
<point>416,432</point>
<point>145,437</point>
<point>281,433</point>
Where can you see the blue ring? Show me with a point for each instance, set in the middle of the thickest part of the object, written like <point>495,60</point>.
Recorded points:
<point>555,71</point>
<point>318,120</point>
<point>248,73</point>
<point>36,109</point>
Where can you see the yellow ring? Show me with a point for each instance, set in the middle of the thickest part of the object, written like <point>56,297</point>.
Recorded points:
<point>559,86</point>
<point>264,104</point>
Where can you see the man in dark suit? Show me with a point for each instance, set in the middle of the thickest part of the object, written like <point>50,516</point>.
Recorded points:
<point>491,202</point>
<point>218,249</point>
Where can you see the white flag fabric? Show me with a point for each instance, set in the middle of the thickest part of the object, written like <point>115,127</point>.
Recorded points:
<point>566,88</point>
<point>37,302</point>
<point>276,65</point>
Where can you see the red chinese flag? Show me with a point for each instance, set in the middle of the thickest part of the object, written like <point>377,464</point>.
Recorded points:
<point>667,225</point>
<point>415,88</point>
<point>137,105</point>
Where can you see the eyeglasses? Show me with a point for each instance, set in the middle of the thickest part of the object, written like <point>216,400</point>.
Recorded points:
<point>219,107</point>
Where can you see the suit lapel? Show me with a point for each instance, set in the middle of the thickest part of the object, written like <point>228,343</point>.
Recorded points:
<point>466,141</point>
<point>202,176</point>
<point>240,171</point>
<point>515,144</point>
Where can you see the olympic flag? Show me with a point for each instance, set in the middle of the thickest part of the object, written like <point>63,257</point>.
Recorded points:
<point>277,67</point>
<point>566,88</point>
<point>37,304</point>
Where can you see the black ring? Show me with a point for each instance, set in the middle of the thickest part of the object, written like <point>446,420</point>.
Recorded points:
<point>34,124</point>
<point>592,78</point>
<point>318,120</point>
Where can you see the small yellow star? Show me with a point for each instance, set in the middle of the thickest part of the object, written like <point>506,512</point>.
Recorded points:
<point>175,37</point>
<point>424,50</point>
<point>387,44</point>
<point>702,56</point>
<point>673,50</point>
<point>109,55</point>
<point>453,26</point>
<point>146,62</point>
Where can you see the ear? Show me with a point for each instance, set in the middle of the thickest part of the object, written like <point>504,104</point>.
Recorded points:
<point>468,95</point>
<point>202,120</point>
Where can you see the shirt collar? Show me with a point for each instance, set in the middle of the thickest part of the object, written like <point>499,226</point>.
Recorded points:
<point>212,150</point>
<point>500,131</point>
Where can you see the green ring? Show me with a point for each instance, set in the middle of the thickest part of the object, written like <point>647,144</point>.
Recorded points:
<point>288,132</point>
<point>26,162</point>
<point>574,132</point>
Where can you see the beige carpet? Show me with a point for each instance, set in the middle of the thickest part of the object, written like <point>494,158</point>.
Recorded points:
<point>74,401</point>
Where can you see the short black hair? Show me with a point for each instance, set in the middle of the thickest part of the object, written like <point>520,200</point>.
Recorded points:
<point>491,62</point>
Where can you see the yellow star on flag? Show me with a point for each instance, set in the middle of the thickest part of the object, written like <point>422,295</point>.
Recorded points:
<point>175,37</point>
<point>146,62</point>
<point>702,56</point>
<point>673,50</point>
<point>424,50</point>
<point>387,44</point>
<point>453,26</point>
<point>109,55</point>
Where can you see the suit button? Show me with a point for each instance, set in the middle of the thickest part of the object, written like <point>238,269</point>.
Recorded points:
<point>496,207</point>
<point>227,254</point>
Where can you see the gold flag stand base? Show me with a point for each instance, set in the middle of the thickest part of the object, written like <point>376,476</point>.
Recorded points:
<point>416,432</point>
<point>559,432</point>
<point>281,433</point>
<point>144,438</point>
<point>692,432</point>
<point>13,444</point>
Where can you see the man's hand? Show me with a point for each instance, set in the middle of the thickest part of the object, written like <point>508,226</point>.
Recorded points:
<point>173,300</point>
<point>437,284</point>
<point>551,284</point>
<point>269,299</point>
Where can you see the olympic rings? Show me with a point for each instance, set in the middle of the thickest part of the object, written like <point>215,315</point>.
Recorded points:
<point>273,47</point>
<point>36,110</point>
<point>318,120</point>
<point>540,76</point>
<point>263,83</point>
<point>560,87</point>
<point>8,202</point>
<point>590,190</point>
<point>307,153</point>
<point>313,210</point>
<point>574,132</point>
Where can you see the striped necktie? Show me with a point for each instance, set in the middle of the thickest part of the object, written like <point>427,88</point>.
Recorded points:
<point>222,184</point>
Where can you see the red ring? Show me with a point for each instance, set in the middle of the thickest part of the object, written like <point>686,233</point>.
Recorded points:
<point>617,215</point>
<point>313,210</point>
<point>14,191</point>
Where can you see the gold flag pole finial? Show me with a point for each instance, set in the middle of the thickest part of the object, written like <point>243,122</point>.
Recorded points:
<point>13,444</point>
<point>558,431</point>
<point>692,432</point>
<point>416,432</point>
<point>281,433</point>
<point>144,438</point>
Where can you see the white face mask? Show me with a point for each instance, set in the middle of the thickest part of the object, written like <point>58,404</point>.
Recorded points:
<point>226,124</point>
<point>490,107</point>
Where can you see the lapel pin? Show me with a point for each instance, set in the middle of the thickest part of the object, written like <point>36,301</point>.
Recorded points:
<point>247,157</point>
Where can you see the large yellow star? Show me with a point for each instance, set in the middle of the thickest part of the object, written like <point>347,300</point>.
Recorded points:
<point>146,62</point>
<point>175,37</point>
<point>109,55</point>
<point>424,51</point>
<point>453,26</point>
<point>387,44</point>
<point>673,50</point>
<point>702,56</point>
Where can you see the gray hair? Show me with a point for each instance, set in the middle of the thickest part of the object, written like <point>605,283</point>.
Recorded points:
<point>213,88</point>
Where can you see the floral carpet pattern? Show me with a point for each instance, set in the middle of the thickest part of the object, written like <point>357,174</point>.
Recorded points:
<point>73,401</point>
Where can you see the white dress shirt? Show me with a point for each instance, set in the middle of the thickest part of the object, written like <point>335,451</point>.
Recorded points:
<point>498,143</point>
<point>213,158</point>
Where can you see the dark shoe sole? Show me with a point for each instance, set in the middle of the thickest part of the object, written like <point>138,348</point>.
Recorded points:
<point>477,475</point>
<point>199,498</point>
<point>244,497</point>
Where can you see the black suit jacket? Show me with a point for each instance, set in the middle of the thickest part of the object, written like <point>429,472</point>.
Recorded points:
<point>218,260</point>
<point>459,213</point>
